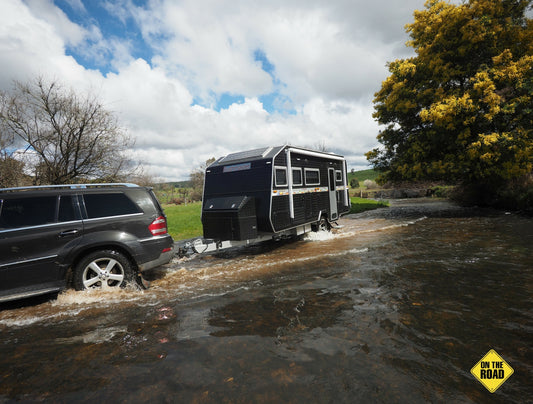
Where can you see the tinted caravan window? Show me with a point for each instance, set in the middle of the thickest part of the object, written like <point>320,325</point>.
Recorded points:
<point>338,175</point>
<point>296,176</point>
<point>26,212</point>
<point>312,176</point>
<point>109,204</point>
<point>281,176</point>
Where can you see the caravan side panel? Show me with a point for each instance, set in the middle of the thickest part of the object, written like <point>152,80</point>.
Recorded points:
<point>310,189</point>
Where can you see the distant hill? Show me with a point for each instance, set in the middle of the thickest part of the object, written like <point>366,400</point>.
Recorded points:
<point>363,175</point>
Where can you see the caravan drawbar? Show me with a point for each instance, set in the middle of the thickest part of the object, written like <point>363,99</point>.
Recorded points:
<point>272,192</point>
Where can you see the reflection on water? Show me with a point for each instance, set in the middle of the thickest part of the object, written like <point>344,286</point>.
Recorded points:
<point>395,307</point>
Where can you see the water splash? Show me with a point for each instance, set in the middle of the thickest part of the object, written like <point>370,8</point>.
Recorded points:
<point>207,276</point>
<point>319,236</point>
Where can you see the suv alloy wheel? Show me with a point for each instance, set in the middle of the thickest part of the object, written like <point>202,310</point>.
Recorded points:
<point>104,269</point>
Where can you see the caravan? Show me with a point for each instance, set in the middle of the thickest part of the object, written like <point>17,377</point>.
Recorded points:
<point>272,192</point>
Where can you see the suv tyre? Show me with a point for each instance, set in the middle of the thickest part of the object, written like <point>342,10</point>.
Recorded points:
<point>104,269</point>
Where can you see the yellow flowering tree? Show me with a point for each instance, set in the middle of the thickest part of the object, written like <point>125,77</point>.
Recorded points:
<point>462,109</point>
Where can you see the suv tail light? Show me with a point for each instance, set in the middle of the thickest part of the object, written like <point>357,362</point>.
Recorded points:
<point>158,226</point>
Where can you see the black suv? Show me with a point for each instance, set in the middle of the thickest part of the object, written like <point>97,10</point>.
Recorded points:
<point>85,236</point>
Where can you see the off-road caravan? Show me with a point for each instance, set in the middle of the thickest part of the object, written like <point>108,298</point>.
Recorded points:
<point>273,192</point>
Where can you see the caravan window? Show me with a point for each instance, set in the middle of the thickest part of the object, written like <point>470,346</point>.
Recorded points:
<point>297,176</point>
<point>281,176</point>
<point>338,176</point>
<point>312,176</point>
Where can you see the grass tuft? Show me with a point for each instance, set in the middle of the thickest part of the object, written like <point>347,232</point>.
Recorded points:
<point>362,204</point>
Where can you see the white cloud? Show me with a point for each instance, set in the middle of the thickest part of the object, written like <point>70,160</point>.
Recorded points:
<point>45,10</point>
<point>328,59</point>
<point>209,51</point>
<point>147,97</point>
<point>31,46</point>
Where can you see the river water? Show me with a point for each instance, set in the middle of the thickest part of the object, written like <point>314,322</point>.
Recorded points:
<point>397,306</point>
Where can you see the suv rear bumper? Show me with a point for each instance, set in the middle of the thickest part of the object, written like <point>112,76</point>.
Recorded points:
<point>159,251</point>
<point>163,259</point>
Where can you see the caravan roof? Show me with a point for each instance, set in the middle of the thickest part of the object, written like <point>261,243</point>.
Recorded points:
<point>268,153</point>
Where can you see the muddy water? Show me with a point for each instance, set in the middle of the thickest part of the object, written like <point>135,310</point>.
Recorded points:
<point>397,306</point>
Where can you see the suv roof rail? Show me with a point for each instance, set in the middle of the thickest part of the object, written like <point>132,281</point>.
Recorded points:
<point>69,186</point>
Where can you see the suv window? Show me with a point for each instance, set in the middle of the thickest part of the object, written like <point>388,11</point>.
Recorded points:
<point>26,212</point>
<point>66,209</point>
<point>109,204</point>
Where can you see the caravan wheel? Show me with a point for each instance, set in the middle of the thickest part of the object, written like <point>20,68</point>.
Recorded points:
<point>322,225</point>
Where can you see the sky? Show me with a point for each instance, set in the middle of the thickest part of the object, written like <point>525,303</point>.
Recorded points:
<point>194,79</point>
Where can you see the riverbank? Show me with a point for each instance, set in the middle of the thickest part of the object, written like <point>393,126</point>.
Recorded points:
<point>515,196</point>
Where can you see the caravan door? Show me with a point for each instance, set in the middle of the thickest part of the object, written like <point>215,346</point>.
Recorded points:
<point>333,211</point>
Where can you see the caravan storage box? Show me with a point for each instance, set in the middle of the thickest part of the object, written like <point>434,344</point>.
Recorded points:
<point>230,218</point>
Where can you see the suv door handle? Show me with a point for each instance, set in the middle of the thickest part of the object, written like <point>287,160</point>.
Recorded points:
<point>68,233</point>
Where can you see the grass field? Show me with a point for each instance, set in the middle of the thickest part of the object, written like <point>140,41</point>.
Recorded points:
<point>184,222</point>
<point>362,204</point>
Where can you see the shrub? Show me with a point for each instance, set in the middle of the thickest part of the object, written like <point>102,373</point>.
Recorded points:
<point>441,191</point>
<point>369,184</point>
<point>354,183</point>
<point>514,195</point>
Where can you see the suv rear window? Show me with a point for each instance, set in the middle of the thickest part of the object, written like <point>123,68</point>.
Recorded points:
<point>26,212</point>
<point>109,204</point>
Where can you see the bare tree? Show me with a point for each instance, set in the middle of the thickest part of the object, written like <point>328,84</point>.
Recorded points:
<point>321,146</point>
<point>142,178</point>
<point>73,137</point>
<point>11,169</point>
<point>197,178</point>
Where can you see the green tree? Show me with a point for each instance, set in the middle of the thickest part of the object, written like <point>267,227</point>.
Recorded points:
<point>461,109</point>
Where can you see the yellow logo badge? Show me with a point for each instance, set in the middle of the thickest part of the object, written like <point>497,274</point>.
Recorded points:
<point>492,371</point>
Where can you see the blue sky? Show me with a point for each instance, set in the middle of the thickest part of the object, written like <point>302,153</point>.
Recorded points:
<point>195,79</point>
<point>113,23</point>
